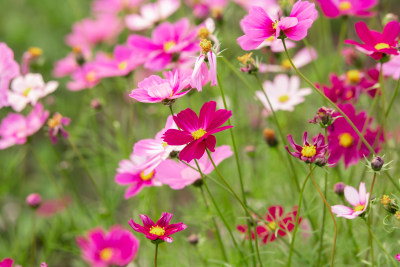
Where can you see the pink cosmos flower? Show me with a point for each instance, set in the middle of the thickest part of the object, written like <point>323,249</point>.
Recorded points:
<point>207,8</point>
<point>308,153</point>
<point>134,173</point>
<point>339,91</point>
<point>160,230</point>
<point>51,207</point>
<point>258,25</point>
<point>151,14</point>
<point>29,89</point>
<point>15,128</point>
<point>178,175</point>
<point>30,56</point>
<point>392,67</point>
<point>85,77</point>
<point>397,257</point>
<point>9,69</point>
<point>377,44</point>
<point>358,8</point>
<point>284,93</point>
<point>169,43</point>
<point>114,6</point>
<point>155,89</point>
<point>271,6</point>
<point>359,201</point>
<point>276,45</point>
<point>197,131</point>
<point>343,141</point>
<point>7,262</point>
<point>117,247</point>
<point>56,125</point>
<point>201,71</point>
<point>71,62</point>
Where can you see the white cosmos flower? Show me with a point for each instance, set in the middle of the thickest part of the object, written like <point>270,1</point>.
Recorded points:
<point>283,93</point>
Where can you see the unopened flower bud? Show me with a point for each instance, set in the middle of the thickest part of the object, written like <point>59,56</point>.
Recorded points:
<point>377,163</point>
<point>248,64</point>
<point>95,104</point>
<point>339,188</point>
<point>250,151</point>
<point>270,137</point>
<point>389,17</point>
<point>34,200</point>
<point>193,239</point>
<point>321,161</point>
<point>323,117</point>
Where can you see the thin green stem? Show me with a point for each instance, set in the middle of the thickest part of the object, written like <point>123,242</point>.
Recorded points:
<point>369,115</point>
<point>392,180</point>
<point>156,255</point>
<point>333,217</point>
<point>314,65</point>
<point>371,245</point>
<point>321,243</point>
<point>328,100</point>
<point>396,91</point>
<point>342,35</point>
<point>33,259</point>
<point>382,90</point>
<point>380,245</point>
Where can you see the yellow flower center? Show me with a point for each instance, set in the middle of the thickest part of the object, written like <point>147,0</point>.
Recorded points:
<point>146,177</point>
<point>157,230</point>
<point>169,45</point>
<point>353,76</point>
<point>345,140</point>
<point>106,254</point>
<point>272,226</point>
<point>54,121</point>
<point>246,58</point>
<point>203,33</point>
<point>91,76</point>
<point>205,46</point>
<point>76,49</point>
<point>271,38</point>
<point>216,12</point>
<point>345,5</point>
<point>275,24</point>
<point>283,98</point>
<point>359,208</point>
<point>164,144</point>
<point>308,151</point>
<point>198,134</point>
<point>35,51</point>
<point>381,46</point>
<point>122,65</point>
<point>26,91</point>
<point>397,215</point>
<point>286,64</point>
<point>385,200</point>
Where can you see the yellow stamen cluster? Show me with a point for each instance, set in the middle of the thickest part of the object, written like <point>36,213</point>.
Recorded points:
<point>27,91</point>
<point>198,134</point>
<point>308,151</point>
<point>91,76</point>
<point>35,51</point>
<point>169,45</point>
<point>397,215</point>
<point>283,98</point>
<point>203,33</point>
<point>272,226</point>
<point>157,230</point>
<point>146,177</point>
<point>246,58</point>
<point>76,49</point>
<point>106,254</point>
<point>345,5</point>
<point>381,46</point>
<point>359,208</point>
<point>122,65</point>
<point>385,200</point>
<point>205,45</point>
<point>286,64</point>
<point>353,76</point>
<point>54,121</point>
<point>271,38</point>
<point>346,140</point>
<point>275,24</point>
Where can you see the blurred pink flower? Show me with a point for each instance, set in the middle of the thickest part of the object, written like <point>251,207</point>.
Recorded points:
<point>30,56</point>
<point>29,89</point>
<point>178,175</point>
<point>161,230</point>
<point>339,91</point>
<point>56,126</point>
<point>200,71</point>
<point>169,43</point>
<point>15,128</point>
<point>51,207</point>
<point>377,44</point>
<point>270,6</point>
<point>357,8</point>
<point>9,69</point>
<point>258,25</point>
<point>397,257</point>
<point>207,8</point>
<point>155,89</point>
<point>284,93</point>
<point>117,247</point>
<point>115,6</point>
<point>358,199</point>
<point>151,14</point>
<point>86,77</point>
<point>7,262</point>
<point>196,132</point>
<point>392,67</point>
<point>33,200</point>
<point>71,62</point>
<point>308,153</point>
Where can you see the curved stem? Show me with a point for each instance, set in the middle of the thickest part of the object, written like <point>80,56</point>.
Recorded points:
<point>328,100</point>
<point>333,216</point>
<point>393,98</point>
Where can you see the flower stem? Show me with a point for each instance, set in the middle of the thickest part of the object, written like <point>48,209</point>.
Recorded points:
<point>333,217</point>
<point>391,180</point>
<point>156,255</point>
<point>380,245</point>
<point>393,98</point>
<point>382,90</point>
<point>371,245</point>
<point>328,100</point>
<point>296,226</point>
<point>342,35</point>
<point>33,239</point>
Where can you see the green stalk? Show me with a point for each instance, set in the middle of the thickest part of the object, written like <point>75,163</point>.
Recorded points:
<point>393,98</point>
<point>371,245</point>
<point>342,35</point>
<point>156,255</point>
<point>381,246</point>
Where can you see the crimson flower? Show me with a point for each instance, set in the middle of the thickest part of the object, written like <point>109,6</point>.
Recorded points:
<point>308,152</point>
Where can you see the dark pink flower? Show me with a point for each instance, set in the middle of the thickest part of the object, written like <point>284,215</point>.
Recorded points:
<point>377,44</point>
<point>197,131</point>
<point>308,152</point>
<point>160,230</point>
<point>117,247</point>
<point>56,125</point>
<point>358,8</point>
<point>7,262</point>
<point>339,91</point>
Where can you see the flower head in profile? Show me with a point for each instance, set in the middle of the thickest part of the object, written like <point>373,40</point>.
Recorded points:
<point>323,117</point>
<point>357,8</point>
<point>358,199</point>
<point>9,69</point>
<point>156,89</point>
<point>377,44</point>
<point>284,93</point>
<point>308,153</point>
<point>32,55</point>
<point>197,132</point>
<point>201,71</point>
<point>117,247</point>
<point>259,26</point>
<point>56,126</point>
<point>161,230</point>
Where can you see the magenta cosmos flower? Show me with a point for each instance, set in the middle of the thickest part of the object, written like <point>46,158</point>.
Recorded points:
<point>169,43</point>
<point>15,128</point>
<point>117,247</point>
<point>7,262</point>
<point>377,44</point>
<point>336,8</point>
<point>259,26</point>
<point>114,6</point>
<point>160,230</point>
<point>343,141</point>
<point>358,199</point>
<point>197,131</point>
<point>308,152</point>
<point>9,69</point>
<point>56,126</point>
<point>156,89</point>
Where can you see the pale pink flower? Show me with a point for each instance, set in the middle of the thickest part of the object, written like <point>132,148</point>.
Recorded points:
<point>29,89</point>
<point>71,62</point>
<point>276,45</point>
<point>284,93</point>
<point>15,128</point>
<point>336,8</point>
<point>151,14</point>
<point>270,6</point>
<point>115,6</point>
<point>359,201</point>
<point>85,77</point>
<point>207,8</point>
<point>200,71</point>
<point>9,69</point>
<point>392,67</point>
